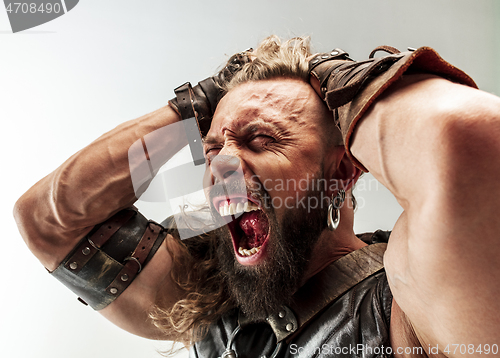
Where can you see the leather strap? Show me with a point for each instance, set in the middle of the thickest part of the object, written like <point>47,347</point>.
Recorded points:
<point>186,102</point>
<point>107,260</point>
<point>389,49</point>
<point>135,262</point>
<point>350,77</point>
<point>322,289</point>
<point>349,88</point>
<point>421,60</point>
<point>185,98</point>
<point>196,105</point>
<point>88,248</point>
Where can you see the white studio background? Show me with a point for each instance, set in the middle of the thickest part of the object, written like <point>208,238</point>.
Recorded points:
<point>66,82</point>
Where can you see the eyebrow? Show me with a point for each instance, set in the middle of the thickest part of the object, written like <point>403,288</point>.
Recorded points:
<point>252,128</point>
<point>247,129</point>
<point>210,140</point>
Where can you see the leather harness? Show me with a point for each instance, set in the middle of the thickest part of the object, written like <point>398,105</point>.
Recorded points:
<point>319,291</point>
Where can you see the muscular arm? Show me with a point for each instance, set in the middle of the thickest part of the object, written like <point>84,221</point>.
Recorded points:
<point>434,145</point>
<point>91,186</point>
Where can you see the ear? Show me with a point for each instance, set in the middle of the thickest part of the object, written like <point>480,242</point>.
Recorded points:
<point>341,170</point>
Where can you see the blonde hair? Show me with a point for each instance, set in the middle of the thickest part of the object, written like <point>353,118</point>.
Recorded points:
<point>274,58</point>
<point>195,269</point>
<point>195,272</point>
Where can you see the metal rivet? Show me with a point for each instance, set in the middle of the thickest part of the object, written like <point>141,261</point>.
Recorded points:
<point>281,314</point>
<point>73,265</point>
<point>334,53</point>
<point>113,290</point>
<point>289,327</point>
<point>336,71</point>
<point>314,61</point>
<point>325,56</point>
<point>124,277</point>
<point>86,251</point>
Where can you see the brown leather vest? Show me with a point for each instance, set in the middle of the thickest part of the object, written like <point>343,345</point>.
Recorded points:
<point>354,325</point>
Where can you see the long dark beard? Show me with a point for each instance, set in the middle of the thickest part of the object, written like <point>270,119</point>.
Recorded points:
<point>261,290</point>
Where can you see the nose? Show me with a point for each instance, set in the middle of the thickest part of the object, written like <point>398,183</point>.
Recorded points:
<point>224,166</point>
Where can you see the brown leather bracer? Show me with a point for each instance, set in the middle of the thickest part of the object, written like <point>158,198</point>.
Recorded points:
<point>349,87</point>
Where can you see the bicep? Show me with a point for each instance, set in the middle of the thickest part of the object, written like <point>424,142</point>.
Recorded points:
<point>434,144</point>
<point>444,279</point>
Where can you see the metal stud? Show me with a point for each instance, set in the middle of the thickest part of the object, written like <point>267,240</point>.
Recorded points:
<point>282,314</point>
<point>314,61</point>
<point>325,56</point>
<point>124,277</point>
<point>113,291</point>
<point>86,251</point>
<point>73,265</point>
<point>289,327</point>
<point>334,53</point>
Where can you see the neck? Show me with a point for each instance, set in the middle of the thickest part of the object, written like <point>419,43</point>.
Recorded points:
<point>331,246</point>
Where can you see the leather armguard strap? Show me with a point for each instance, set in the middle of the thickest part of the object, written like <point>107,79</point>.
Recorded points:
<point>186,102</point>
<point>350,87</point>
<point>108,259</point>
<point>196,105</point>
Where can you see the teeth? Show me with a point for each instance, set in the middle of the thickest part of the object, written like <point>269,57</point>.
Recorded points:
<point>226,209</point>
<point>245,252</point>
<point>251,207</point>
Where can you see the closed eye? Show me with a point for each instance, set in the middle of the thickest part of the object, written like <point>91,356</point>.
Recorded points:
<point>260,141</point>
<point>210,150</point>
<point>211,153</point>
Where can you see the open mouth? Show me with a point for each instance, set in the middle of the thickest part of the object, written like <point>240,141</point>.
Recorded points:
<point>248,224</point>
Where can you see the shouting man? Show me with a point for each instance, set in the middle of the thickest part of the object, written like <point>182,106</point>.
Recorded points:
<point>280,272</point>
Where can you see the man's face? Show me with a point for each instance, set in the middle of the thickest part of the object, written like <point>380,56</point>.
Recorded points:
<point>266,152</point>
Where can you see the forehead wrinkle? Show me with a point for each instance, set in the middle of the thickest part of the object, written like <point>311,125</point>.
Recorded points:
<point>288,103</point>
<point>274,109</point>
<point>268,101</point>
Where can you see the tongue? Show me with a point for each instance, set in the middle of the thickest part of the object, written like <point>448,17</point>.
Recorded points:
<point>255,226</point>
